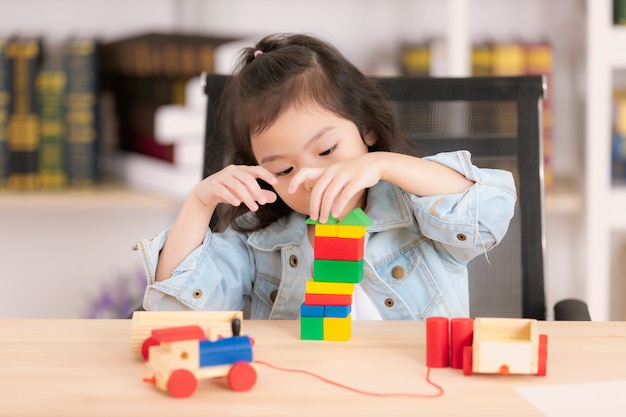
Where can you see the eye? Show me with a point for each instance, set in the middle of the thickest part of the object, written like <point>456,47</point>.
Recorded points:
<point>328,151</point>
<point>285,172</point>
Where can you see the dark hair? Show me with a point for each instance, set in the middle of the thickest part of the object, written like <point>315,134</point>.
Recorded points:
<point>295,69</point>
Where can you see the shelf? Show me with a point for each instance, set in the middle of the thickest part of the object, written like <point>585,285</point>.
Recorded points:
<point>106,196</point>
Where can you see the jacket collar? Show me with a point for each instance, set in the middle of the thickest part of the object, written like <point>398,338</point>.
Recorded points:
<point>387,206</point>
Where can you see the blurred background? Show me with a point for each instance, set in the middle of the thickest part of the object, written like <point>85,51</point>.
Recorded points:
<point>108,128</point>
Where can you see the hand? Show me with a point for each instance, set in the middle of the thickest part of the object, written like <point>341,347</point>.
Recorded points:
<point>237,184</point>
<point>336,185</point>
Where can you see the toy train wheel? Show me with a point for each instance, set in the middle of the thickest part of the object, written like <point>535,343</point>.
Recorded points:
<point>146,345</point>
<point>467,360</point>
<point>542,367</point>
<point>182,383</point>
<point>241,377</point>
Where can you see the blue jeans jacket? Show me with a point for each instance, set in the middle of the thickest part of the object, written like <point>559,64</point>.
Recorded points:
<point>416,254</point>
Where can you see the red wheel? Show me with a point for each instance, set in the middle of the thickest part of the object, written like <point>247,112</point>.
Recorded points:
<point>182,383</point>
<point>145,347</point>
<point>241,377</point>
<point>542,367</point>
<point>467,360</point>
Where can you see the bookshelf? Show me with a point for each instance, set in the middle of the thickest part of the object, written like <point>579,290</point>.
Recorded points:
<point>605,204</point>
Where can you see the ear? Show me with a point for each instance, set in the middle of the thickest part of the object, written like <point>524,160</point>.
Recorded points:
<point>369,139</point>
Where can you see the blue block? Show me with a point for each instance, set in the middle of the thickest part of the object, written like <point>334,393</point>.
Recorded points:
<point>225,351</point>
<point>337,311</point>
<point>311,311</point>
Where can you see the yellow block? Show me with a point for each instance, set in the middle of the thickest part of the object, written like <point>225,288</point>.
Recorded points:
<point>338,329</point>
<point>315,287</point>
<point>329,230</point>
<point>354,232</point>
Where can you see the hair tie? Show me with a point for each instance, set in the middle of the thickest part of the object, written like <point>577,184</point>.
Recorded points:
<point>257,53</point>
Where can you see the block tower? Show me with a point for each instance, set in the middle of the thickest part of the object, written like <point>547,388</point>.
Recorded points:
<point>338,265</point>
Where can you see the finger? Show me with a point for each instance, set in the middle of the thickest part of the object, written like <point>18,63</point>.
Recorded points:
<point>245,197</point>
<point>341,201</point>
<point>333,193</point>
<point>270,196</point>
<point>263,174</point>
<point>238,185</point>
<point>225,196</point>
<point>318,195</point>
<point>304,174</point>
<point>252,191</point>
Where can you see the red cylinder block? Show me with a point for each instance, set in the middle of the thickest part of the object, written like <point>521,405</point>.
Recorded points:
<point>461,335</point>
<point>437,342</point>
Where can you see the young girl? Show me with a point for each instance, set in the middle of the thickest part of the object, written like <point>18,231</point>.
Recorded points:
<point>310,135</point>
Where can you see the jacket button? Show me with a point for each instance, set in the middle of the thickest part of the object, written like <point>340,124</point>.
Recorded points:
<point>389,302</point>
<point>197,294</point>
<point>273,295</point>
<point>397,272</point>
<point>293,261</point>
<point>461,237</point>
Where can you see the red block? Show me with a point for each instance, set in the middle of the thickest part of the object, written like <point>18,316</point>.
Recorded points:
<point>338,248</point>
<point>461,335</point>
<point>437,342</point>
<point>328,299</point>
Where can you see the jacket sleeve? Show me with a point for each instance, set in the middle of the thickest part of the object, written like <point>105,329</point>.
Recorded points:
<point>215,276</point>
<point>467,224</point>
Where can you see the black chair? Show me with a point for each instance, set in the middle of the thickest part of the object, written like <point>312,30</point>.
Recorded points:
<point>497,119</point>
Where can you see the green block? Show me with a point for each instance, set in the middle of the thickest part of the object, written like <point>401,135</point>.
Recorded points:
<point>312,328</point>
<point>325,270</point>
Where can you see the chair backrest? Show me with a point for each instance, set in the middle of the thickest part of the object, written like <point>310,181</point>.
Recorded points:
<point>498,119</point>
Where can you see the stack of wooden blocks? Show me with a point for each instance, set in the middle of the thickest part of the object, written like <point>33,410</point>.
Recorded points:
<point>338,265</point>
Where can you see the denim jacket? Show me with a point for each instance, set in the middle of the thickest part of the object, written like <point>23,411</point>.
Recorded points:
<point>415,263</point>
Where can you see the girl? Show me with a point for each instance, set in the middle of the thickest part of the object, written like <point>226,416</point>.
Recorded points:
<point>310,135</point>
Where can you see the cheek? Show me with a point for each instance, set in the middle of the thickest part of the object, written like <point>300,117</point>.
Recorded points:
<point>298,201</point>
<point>281,189</point>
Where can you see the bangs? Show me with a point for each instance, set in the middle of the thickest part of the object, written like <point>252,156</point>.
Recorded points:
<point>311,87</point>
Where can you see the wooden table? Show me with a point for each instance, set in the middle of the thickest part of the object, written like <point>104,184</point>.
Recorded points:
<point>85,368</point>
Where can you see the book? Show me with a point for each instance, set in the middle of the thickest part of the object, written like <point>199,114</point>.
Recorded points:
<point>618,140</point>
<point>481,57</point>
<point>619,12</point>
<point>159,54</point>
<point>539,61</point>
<point>50,89</point>
<point>23,137</point>
<point>508,58</point>
<point>5,104</point>
<point>81,58</point>
<point>415,59</point>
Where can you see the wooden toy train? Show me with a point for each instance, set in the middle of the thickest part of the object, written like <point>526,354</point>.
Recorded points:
<point>177,357</point>
<point>487,345</point>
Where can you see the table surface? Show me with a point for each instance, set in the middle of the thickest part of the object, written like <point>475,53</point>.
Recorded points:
<point>86,368</point>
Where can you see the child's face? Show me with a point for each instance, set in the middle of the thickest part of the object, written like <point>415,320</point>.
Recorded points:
<point>307,136</point>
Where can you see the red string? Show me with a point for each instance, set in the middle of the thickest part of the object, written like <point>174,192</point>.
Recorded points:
<point>359,391</point>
